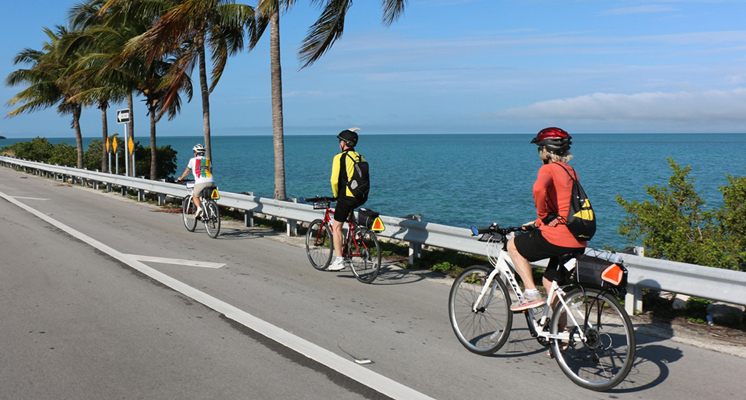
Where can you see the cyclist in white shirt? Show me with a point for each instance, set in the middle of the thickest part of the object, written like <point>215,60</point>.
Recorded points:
<point>201,168</point>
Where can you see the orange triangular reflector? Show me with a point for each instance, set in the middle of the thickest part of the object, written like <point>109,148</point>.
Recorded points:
<point>613,274</point>
<point>378,225</point>
<point>215,195</point>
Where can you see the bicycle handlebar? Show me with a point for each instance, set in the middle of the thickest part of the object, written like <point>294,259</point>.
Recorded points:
<point>316,199</point>
<point>494,228</point>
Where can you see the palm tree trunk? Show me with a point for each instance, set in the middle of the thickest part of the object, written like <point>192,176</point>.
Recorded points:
<point>131,127</point>
<point>104,138</point>
<point>277,119</point>
<point>77,109</point>
<point>153,161</point>
<point>205,100</point>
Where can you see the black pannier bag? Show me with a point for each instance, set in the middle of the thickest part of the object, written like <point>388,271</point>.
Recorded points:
<point>366,217</point>
<point>207,192</point>
<point>600,272</point>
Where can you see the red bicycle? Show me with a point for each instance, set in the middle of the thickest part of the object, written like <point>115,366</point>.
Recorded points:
<point>360,247</point>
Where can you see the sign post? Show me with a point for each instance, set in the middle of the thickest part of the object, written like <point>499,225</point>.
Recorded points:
<point>131,148</point>
<point>123,117</point>
<point>116,155</point>
<point>108,152</point>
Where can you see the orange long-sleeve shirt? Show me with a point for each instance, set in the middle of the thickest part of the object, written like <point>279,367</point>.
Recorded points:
<point>552,191</point>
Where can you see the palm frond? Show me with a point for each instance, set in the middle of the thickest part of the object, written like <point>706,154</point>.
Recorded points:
<point>324,32</point>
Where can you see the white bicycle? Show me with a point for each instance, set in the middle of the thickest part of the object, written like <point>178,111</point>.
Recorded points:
<point>589,333</point>
<point>210,210</point>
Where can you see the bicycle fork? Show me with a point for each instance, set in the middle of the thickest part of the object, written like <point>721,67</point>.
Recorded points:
<point>487,284</point>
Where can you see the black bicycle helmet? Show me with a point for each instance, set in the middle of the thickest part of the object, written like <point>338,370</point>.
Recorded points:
<point>555,140</point>
<point>349,136</point>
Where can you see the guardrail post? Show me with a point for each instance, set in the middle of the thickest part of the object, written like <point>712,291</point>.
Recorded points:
<point>140,195</point>
<point>108,187</point>
<point>292,226</point>
<point>633,300</point>
<point>415,252</point>
<point>124,190</point>
<point>248,218</point>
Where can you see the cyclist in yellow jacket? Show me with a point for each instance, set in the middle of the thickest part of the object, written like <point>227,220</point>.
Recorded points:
<point>346,202</point>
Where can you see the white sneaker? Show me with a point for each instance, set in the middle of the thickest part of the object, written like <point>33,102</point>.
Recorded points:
<point>198,213</point>
<point>336,265</point>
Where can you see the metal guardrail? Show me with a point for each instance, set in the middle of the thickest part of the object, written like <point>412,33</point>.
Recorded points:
<point>695,280</point>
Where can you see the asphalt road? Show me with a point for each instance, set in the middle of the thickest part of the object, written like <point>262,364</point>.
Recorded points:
<point>104,298</point>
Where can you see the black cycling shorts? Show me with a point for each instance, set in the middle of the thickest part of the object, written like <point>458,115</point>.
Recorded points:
<point>345,205</point>
<point>533,247</point>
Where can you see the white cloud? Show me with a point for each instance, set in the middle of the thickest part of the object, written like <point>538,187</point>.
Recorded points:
<point>708,111</point>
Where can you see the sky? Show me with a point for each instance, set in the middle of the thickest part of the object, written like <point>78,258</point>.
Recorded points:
<point>456,66</point>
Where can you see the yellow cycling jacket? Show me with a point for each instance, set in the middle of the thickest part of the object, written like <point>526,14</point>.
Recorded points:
<point>353,157</point>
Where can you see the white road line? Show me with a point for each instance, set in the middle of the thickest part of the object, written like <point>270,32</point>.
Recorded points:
<point>375,381</point>
<point>188,263</point>
<point>29,198</point>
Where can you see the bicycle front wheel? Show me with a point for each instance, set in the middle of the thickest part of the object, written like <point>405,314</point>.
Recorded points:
<point>600,345</point>
<point>187,213</point>
<point>212,219</point>
<point>365,255</point>
<point>482,328</point>
<point>319,244</point>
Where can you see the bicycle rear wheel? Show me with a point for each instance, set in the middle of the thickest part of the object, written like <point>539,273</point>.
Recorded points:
<point>212,218</point>
<point>319,244</point>
<point>365,255</point>
<point>187,213</point>
<point>605,357</point>
<point>484,330</point>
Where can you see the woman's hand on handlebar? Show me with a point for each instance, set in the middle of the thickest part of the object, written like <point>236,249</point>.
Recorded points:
<point>529,226</point>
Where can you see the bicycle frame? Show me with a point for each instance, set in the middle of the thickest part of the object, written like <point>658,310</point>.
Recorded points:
<point>593,349</point>
<point>346,238</point>
<point>503,265</point>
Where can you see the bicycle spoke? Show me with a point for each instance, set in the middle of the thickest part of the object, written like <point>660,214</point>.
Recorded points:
<point>211,218</point>
<point>484,330</point>
<point>602,356</point>
<point>365,255</point>
<point>319,244</point>
<point>187,212</point>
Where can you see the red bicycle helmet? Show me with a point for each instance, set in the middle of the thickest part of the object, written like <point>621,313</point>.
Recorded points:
<point>555,140</point>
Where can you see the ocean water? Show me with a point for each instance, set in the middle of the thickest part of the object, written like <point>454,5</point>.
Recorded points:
<point>464,180</point>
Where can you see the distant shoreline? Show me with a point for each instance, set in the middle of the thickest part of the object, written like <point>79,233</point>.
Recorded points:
<point>147,137</point>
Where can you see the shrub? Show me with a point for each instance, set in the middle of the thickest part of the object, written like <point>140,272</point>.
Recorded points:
<point>675,225</point>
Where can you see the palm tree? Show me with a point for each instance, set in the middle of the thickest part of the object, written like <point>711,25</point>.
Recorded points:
<point>51,81</point>
<point>188,30</point>
<point>269,12</point>
<point>322,35</point>
<point>105,35</point>
<point>330,25</point>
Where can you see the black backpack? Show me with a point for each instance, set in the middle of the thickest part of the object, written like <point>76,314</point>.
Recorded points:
<point>581,220</point>
<point>359,182</point>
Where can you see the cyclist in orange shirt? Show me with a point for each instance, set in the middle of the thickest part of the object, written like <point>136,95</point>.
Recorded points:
<point>552,191</point>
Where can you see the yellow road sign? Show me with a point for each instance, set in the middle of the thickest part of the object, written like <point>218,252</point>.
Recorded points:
<point>131,145</point>
<point>114,143</point>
